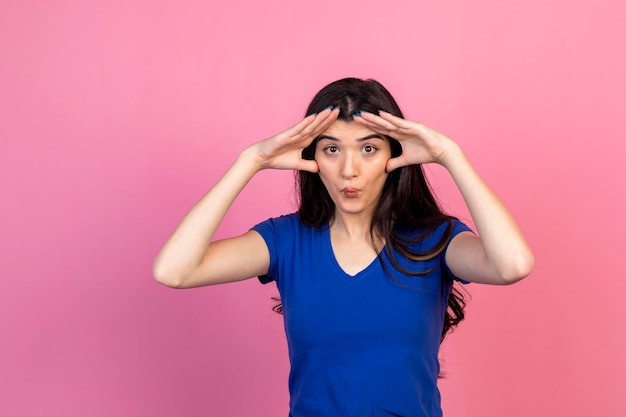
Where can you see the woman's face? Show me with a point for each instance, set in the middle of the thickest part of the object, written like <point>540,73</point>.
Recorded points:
<point>352,161</point>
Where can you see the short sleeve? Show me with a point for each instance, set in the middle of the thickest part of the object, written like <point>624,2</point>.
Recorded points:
<point>457,227</point>
<point>268,231</point>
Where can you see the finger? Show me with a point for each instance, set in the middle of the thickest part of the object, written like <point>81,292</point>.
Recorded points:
<point>301,131</point>
<point>374,120</point>
<point>365,116</point>
<point>300,126</point>
<point>366,121</point>
<point>373,126</point>
<point>394,120</point>
<point>395,163</point>
<point>312,120</point>
<point>326,120</point>
<point>322,120</point>
<point>306,165</point>
<point>378,129</point>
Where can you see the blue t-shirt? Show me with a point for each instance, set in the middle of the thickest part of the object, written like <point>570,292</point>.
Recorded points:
<point>364,345</point>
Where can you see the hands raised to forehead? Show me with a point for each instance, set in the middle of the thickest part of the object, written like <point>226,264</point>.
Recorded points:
<point>420,144</point>
<point>284,150</point>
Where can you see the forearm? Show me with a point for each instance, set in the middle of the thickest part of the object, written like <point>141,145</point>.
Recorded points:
<point>185,249</point>
<point>506,253</point>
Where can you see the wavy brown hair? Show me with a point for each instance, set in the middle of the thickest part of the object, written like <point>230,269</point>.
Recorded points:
<point>406,200</point>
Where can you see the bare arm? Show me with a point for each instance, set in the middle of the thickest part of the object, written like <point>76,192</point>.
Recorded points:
<point>189,258</point>
<point>500,254</point>
<point>185,260</point>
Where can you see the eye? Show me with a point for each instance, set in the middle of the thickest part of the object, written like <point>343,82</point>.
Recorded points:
<point>369,149</point>
<point>331,149</point>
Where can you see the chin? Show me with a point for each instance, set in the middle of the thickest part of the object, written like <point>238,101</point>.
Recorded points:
<point>351,208</point>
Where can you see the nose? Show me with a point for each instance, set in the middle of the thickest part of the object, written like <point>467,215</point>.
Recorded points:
<point>350,167</point>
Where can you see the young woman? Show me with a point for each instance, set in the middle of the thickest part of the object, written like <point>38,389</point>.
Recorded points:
<point>365,268</point>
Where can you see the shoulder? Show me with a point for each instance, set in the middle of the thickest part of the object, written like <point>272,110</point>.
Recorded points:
<point>458,227</point>
<point>433,234</point>
<point>287,224</point>
<point>282,221</point>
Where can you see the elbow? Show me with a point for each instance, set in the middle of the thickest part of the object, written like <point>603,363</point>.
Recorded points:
<point>165,277</point>
<point>517,269</point>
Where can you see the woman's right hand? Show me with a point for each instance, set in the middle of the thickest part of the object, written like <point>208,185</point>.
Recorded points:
<point>284,150</point>
<point>190,257</point>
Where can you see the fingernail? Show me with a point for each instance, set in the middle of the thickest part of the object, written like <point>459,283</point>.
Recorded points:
<point>326,108</point>
<point>381,111</point>
<point>357,114</point>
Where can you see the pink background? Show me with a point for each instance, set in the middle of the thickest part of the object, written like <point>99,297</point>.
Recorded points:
<point>116,116</point>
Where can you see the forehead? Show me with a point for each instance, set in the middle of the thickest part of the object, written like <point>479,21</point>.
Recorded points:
<point>347,131</point>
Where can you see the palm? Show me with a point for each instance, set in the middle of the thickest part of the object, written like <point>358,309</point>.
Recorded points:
<point>420,144</point>
<point>284,150</point>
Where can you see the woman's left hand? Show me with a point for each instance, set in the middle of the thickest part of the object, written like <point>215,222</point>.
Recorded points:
<point>499,254</point>
<point>420,144</point>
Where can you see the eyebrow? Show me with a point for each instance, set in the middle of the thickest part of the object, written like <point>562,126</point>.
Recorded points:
<point>368,137</point>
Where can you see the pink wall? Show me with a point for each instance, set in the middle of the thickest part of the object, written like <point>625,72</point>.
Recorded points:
<point>117,115</point>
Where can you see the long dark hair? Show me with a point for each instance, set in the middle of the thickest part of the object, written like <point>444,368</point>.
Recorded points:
<point>406,198</point>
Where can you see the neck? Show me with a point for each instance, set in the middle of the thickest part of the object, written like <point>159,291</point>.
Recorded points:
<point>352,226</point>
<point>355,230</point>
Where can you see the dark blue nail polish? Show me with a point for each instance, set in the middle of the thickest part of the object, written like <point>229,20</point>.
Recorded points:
<point>357,114</point>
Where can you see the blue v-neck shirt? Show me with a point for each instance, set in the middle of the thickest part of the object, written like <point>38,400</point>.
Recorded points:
<point>364,345</point>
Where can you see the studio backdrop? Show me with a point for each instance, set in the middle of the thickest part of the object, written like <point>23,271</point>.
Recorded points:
<point>116,116</point>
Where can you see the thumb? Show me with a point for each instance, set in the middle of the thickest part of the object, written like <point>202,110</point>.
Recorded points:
<point>306,165</point>
<point>394,163</point>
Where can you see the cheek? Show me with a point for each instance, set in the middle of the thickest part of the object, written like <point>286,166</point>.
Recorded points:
<point>380,166</point>
<point>381,178</point>
<point>326,175</point>
<point>323,173</point>
<point>325,166</point>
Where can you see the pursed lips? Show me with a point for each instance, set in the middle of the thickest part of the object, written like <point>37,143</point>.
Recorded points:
<point>350,192</point>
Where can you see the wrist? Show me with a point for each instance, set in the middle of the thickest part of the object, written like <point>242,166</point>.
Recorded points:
<point>451,155</point>
<point>250,157</point>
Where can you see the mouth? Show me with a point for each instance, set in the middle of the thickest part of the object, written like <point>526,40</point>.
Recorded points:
<point>350,192</point>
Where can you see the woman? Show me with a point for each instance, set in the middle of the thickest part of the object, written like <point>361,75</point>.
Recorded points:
<point>365,268</point>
